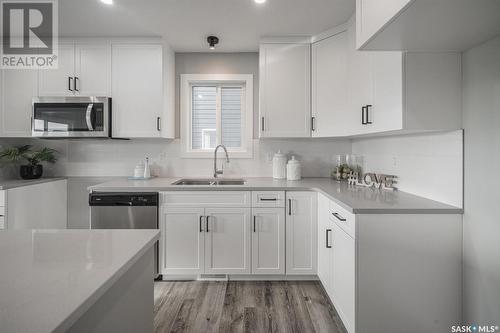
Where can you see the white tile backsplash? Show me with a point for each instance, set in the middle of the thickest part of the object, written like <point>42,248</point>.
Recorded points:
<point>428,165</point>
<point>99,158</point>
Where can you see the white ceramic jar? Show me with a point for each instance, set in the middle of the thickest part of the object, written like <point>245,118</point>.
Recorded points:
<point>293,169</point>
<point>279,165</point>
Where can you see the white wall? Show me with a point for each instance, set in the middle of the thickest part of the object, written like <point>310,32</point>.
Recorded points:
<point>481,119</point>
<point>428,165</point>
<point>218,63</point>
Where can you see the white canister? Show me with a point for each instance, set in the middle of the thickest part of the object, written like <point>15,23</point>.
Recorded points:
<point>293,169</point>
<point>279,165</point>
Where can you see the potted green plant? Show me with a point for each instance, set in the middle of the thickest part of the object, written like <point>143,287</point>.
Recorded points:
<point>33,168</point>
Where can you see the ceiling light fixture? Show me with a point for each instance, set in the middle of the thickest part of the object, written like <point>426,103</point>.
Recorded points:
<point>212,41</point>
<point>259,1</point>
<point>107,2</point>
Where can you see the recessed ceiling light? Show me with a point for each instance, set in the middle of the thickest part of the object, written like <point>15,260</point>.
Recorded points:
<point>107,2</point>
<point>259,1</point>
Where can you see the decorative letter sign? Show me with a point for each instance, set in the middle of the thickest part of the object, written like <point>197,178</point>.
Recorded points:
<point>378,181</point>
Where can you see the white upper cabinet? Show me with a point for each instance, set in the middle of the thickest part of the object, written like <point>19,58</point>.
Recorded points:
<point>93,69</point>
<point>137,90</point>
<point>393,91</point>
<point>426,25</point>
<point>285,90</point>
<point>59,81</point>
<point>17,89</point>
<point>138,74</point>
<point>329,86</point>
<point>84,70</point>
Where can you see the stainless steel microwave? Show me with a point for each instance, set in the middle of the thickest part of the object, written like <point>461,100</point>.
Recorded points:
<point>71,117</point>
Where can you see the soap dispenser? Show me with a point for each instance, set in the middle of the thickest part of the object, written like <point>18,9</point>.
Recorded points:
<point>147,170</point>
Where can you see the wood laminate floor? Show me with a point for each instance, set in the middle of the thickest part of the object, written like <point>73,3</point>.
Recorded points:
<point>244,306</point>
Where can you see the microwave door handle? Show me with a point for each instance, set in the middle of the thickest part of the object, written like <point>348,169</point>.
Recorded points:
<point>88,116</point>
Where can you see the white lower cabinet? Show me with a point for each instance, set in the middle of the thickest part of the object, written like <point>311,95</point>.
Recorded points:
<point>301,232</point>
<point>182,242</point>
<point>390,272</point>
<point>336,260</point>
<point>268,241</point>
<point>227,241</point>
<point>343,282</point>
<point>204,237</point>
<point>325,252</point>
<point>205,240</point>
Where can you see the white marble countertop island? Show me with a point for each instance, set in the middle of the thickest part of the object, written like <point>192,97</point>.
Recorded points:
<point>51,278</point>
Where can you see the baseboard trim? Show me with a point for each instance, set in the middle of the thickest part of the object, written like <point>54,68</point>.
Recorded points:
<point>237,277</point>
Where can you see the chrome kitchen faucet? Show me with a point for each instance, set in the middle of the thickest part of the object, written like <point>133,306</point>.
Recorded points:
<point>219,172</point>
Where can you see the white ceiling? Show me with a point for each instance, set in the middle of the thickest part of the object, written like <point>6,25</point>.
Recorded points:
<point>185,24</point>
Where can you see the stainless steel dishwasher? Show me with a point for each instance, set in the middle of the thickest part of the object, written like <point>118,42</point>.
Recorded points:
<point>122,210</point>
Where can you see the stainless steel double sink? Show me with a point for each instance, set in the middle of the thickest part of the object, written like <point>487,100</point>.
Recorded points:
<point>209,182</point>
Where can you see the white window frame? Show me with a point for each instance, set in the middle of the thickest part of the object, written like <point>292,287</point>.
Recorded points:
<point>186,84</point>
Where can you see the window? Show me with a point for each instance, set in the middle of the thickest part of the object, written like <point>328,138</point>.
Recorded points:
<point>216,109</point>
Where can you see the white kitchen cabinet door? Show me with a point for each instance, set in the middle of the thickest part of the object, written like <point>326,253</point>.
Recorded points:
<point>371,17</point>
<point>137,90</point>
<point>227,241</point>
<point>344,277</point>
<point>93,69</point>
<point>375,89</point>
<point>182,241</point>
<point>60,81</point>
<point>285,82</point>
<point>325,241</point>
<point>329,88</point>
<point>387,110</point>
<point>268,241</point>
<point>301,232</point>
<point>359,84</point>
<point>18,87</point>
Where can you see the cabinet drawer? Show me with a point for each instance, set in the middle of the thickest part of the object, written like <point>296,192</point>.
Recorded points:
<point>342,218</point>
<point>2,222</point>
<point>2,198</point>
<point>268,199</point>
<point>2,211</point>
<point>199,199</point>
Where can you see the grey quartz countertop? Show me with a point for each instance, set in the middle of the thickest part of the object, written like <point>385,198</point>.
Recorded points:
<point>8,184</point>
<point>358,200</point>
<point>50,278</point>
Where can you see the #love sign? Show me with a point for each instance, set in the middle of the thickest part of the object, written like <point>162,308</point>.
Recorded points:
<point>378,181</point>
